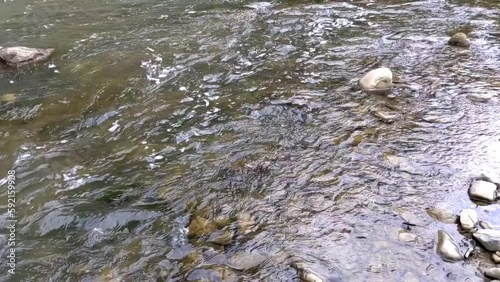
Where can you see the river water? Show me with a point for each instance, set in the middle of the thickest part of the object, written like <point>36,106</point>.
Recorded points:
<point>154,118</point>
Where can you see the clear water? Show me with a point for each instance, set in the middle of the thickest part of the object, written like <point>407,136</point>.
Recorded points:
<point>152,113</point>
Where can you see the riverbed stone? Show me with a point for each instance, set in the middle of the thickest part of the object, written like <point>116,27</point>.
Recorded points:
<point>387,117</point>
<point>200,226</point>
<point>221,237</point>
<point>489,239</point>
<point>246,260</point>
<point>483,191</point>
<point>459,39</point>
<point>20,56</point>
<point>443,215</point>
<point>481,98</point>
<point>468,219</point>
<point>447,248</point>
<point>493,272</point>
<point>377,81</point>
<point>495,257</point>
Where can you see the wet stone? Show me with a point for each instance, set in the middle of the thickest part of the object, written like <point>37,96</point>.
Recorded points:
<point>221,237</point>
<point>496,257</point>
<point>200,226</point>
<point>481,98</point>
<point>315,273</point>
<point>246,261</point>
<point>204,275</point>
<point>387,117</point>
<point>483,191</point>
<point>406,236</point>
<point>468,219</point>
<point>459,39</point>
<point>492,272</point>
<point>443,215</point>
<point>489,239</point>
<point>485,225</point>
<point>21,56</point>
<point>447,248</point>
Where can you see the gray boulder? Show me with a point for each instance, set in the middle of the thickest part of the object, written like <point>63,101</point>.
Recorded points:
<point>21,56</point>
<point>489,238</point>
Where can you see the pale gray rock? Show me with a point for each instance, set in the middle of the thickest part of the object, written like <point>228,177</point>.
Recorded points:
<point>492,272</point>
<point>21,56</point>
<point>489,239</point>
<point>480,98</point>
<point>447,248</point>
<point>377,81</point>
<point>468,219</point>
<point>483,191</point>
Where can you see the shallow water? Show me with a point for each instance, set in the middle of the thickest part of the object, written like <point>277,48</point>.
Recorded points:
<point>154,113</point>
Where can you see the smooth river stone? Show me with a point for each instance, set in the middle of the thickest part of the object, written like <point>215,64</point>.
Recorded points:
<point>459,39</point>
<point>443,215</point>
<point>492,272</point>
<point>20,56</point>
<point>246,261</point>
<point>468,219</point>
<point>483,191</point>
<point>447,249</point>
<point>489,239</point>
<point>481,98</point>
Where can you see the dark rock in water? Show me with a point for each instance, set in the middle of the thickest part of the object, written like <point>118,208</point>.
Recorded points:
<point>21,56</point>
<point>459,39</point>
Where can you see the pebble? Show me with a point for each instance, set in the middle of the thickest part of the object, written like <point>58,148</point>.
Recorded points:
<point>483,191</point>
<point>468,219</point>
<point>489,239</point>
<point>443,215</point>
<point>406,236</point>
<point>447,248</point>
<point>496,257</point>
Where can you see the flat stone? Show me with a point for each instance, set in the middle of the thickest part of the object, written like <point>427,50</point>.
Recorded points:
<point>246,261</point>
<point>388,117</point>
<point>21,56</point>
<point>481,98</point>
<point>406,236</point>
<point>443,215</point>
<point>459,39</point>
<point>489,239</point>
<point>447,248</point>
<point>468,219</point>
<point>221,237</point>
<point>492,272</point>
<point>483,191</point>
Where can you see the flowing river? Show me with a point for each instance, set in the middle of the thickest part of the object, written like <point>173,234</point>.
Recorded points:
<point>209,140</point>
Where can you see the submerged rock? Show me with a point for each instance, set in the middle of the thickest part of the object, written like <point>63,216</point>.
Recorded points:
<point>468,219</point>
<point>246,261</point>
<point>388,117</point>
<point>483,191</point>
<point>459,39</point>
<point>492,272</point>
<point>221,237</point>
<point>481,98</point>
<point>21,56</point>
<point>489,239</point>
<point>312,273</point>
<point>200,226</point>
<point>377,81</point>
<point>447,248</point>
<point>443,215</point>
